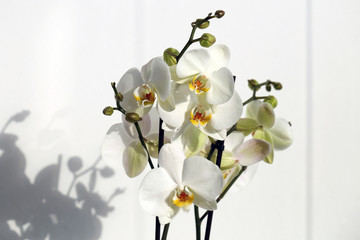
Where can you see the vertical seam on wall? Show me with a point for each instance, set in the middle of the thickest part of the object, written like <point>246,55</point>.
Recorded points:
<point>309,137</point>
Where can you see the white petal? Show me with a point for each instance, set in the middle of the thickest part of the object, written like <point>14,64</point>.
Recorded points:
<point>203,178</point>
<point>234,140</point>
<point>157,74</point>
<point>252,151</point>
<point>172,211</point>
<point>176,78</point>
<point>201,202</point>
<point>190,139</point>
<point>219,57</point>
<point>222,86</point>
<point>265,135</point>
<point>172,159</point>
<point>145,126</point>
<point>227,114</point>
<point>135,159</point>
<point>281,134</point>
<point>113,145</point>
<point>129,81</point>
<point>176,117</point>
<point>129,103</point>
<point>192,62</point>
<point>168,105</point>
<point>156,192</point>
<point>252,109</point>
<point>246,177</point>
<point>266,115</point>
<point>214,133</point>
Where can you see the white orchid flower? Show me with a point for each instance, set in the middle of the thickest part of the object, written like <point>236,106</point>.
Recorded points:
<point>206,73</point>
<point>261,118</point>
<point>238,154</point>
<point>141,89</point>
<point>191,112</point>
<point>178,183</point>
<point>122,144</point>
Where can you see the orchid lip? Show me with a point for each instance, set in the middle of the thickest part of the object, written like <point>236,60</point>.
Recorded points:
<point>199,84</point>
<point>144,95</point>
<point>183,198</point>
<point>199,116</point>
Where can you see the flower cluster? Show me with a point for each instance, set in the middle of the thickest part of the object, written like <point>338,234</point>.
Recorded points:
<point>184,110</point>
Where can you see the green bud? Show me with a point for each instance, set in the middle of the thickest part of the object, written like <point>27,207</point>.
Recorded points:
<point>170,55</point>
<point>277,85</point>
<point>253,84</point>
<point>119,97</point>
<point>268,87</point>
<point>247,125</point>
<point>132,117</point>
<point>108,111</point>
<point>207,40</point>
<point>272,100</point>
<point>219,13</point>
<point>202,25</point>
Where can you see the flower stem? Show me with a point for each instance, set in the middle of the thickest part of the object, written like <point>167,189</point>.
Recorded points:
<point>141,138</point>
<point>208,225</point>
<point>230,184</point>
<point>191,38</point>
<point>157,229</point>
<point>197,223</point>
<point>165,231</point>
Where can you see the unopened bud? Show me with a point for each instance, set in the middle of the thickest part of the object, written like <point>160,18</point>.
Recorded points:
<point>207,40</point>
<point>170,55</point>
<point>108,111</point>
<point>272,100</point>
<point>277,85</point>
<point>268,87</point>
<point>202,25</point>
<point>119,97</point>
<point>219,13</point>
<point>132,117</point>
<point>253,84</point>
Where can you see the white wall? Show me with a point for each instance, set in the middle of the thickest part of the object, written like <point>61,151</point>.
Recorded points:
<point>57,59</point>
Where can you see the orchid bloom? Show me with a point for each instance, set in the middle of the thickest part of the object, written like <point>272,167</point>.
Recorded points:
<point>121,143</point>
<point>261,122</point>
<point>191,112</point>
<point>206,74</point>
<point>141,89</point>
<point>179,182</point>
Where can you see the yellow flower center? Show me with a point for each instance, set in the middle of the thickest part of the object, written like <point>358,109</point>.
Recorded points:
<point>144,96</point>
<point>200,84</point>
<point>183,198</point>
<point>199,116</point>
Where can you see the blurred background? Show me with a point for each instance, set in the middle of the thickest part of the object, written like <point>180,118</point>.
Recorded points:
<point>57,59</point>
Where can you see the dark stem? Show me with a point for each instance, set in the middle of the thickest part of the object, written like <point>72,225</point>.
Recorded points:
<point>141,138</point>
<point>197,223</point>
<point>191,38</point>
<point>208,225</point>
<point>165,231</point>
<point>157,229</point>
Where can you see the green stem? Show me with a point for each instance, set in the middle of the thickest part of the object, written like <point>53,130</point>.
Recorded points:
<point>141,138</point>
<point>191,38</point>
<point>197,223</point>
<point>165,231</point>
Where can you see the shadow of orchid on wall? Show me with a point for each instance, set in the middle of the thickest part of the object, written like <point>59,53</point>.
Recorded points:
<point>39,211</point>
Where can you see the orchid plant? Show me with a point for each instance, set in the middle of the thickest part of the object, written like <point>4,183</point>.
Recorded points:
<point>183,110</point>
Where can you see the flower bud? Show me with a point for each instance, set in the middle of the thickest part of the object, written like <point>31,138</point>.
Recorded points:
<point>207,40</point>
<point>108,111</point>
<point>132,117</point>
<point>277,85</point>
<point>272,100</point>
<point>219,13</point>
<point>170,55</point>
<point>119,97</point>
<point>268,87</point>
<point>204,24</point>
<point>253,84</point>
